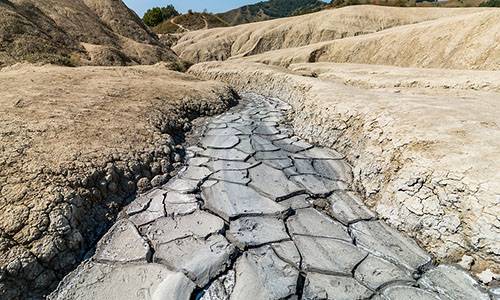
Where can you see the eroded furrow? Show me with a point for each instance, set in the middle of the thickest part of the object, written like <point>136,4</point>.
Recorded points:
<point>258,213</point>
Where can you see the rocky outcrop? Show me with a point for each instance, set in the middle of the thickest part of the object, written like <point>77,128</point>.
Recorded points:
<point>75,151</point>
<point>428,164</point>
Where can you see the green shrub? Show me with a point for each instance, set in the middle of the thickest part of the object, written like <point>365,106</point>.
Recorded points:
<point>156,15</point>
<point>153,16</point>
<point>169,11</point>
<point>491,3</point>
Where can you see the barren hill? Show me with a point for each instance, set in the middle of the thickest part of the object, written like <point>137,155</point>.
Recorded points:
<point>470,41</point>
<point>328,25</point>
<point>76,32</point>
<point>262,11</point>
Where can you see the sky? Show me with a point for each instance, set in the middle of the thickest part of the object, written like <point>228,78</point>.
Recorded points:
<point>140,6</point>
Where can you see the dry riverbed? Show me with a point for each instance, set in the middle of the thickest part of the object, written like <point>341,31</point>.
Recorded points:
<point>260,213</point>
<point>425,158</point>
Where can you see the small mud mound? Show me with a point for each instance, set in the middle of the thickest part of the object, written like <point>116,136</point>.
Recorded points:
<point>53,32</point>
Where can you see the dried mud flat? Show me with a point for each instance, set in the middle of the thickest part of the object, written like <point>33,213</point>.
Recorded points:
<point>260,213</point>
<point>394,90</point>
<point>75,144</point>
<point>425,158</point>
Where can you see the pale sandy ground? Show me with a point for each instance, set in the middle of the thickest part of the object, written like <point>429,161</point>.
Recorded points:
<point>425,144</point>
<point>470,41</point>
<point>379,77</point>
<point>434,37</point>
<point>74,144</point>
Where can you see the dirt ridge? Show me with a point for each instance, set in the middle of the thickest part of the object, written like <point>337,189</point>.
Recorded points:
<point>313,32</point>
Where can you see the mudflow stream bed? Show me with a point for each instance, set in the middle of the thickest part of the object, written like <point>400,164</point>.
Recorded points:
<point>258,213</point>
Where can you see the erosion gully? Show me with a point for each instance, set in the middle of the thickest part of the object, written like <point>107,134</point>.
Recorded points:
<point>258,213</point>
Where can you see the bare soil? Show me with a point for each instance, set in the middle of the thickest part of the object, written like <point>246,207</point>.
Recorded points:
<point>425,151</point>
<point>75,143</point>
<point>418,37</point>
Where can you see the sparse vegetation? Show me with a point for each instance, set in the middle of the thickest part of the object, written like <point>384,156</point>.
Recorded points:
<point>190,21</point>
<point>156,15</point>
<point>491,3</point>
<point>399,3</point>
<point>271,9</point>
<point>167,20</point>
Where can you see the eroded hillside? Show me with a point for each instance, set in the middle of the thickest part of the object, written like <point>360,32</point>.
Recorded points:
<point>77,32</point>
<point>272,9</point>
<point>324,26</point>
<point>469,41</point>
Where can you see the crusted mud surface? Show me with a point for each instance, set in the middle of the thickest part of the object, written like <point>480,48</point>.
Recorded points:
<point>407,80</point>
<point>426,162</point>
<point>76,144</point>
<point>258,213</point>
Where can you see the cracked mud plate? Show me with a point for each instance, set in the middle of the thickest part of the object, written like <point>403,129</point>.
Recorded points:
<point>239,223</point>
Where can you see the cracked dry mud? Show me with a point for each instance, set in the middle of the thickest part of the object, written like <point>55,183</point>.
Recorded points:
<point>258,213</point>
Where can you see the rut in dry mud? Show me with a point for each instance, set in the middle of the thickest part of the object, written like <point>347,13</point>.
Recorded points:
<point>259,213</point>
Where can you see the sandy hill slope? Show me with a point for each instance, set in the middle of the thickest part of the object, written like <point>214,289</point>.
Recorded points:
<point>75,144</point>
<point>77,32</point>
<point>267,10</point>
<point>328,25</point>
<point>470,41</point>
<point>452,3</point>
